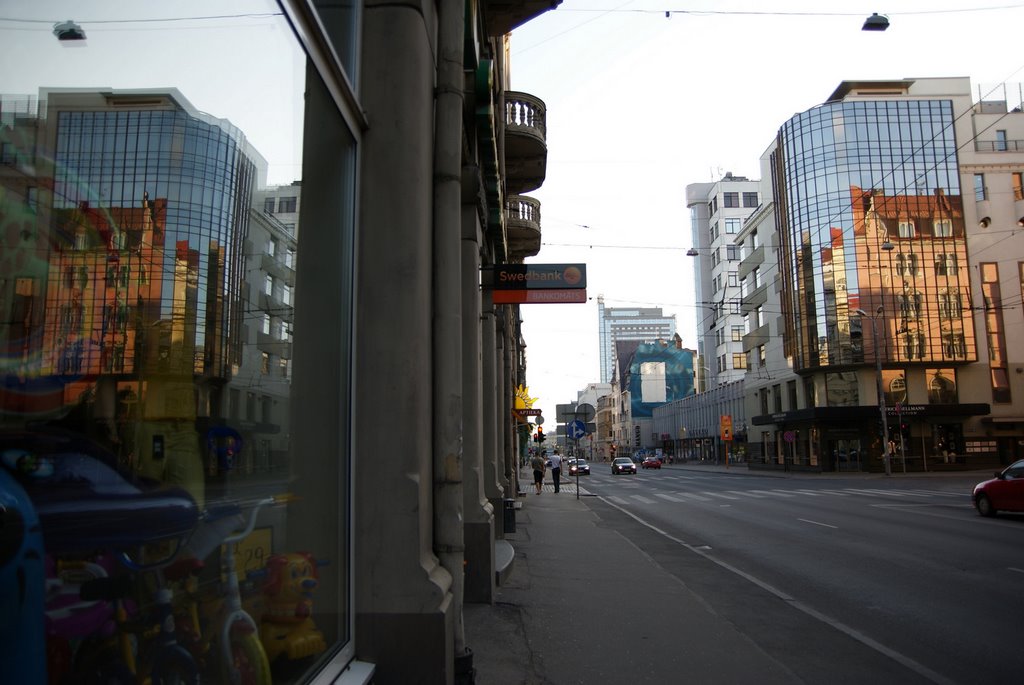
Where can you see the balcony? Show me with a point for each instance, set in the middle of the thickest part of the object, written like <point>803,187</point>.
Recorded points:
<point>522,221</point>
<point>526,147</point>
<point>754,259</point>
<point>501,16</point>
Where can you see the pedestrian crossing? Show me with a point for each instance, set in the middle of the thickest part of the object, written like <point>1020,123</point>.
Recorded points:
<point>630,493</point>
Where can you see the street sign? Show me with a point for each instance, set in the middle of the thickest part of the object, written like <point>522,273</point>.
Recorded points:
<point>576,430</point>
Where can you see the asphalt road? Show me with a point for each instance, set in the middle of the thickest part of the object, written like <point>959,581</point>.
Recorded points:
<point>838,577</point>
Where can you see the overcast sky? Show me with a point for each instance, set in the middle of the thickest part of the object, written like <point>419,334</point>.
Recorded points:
<point>639,105</point>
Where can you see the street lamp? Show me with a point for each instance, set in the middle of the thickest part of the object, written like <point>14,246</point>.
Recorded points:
<point>881,391</point>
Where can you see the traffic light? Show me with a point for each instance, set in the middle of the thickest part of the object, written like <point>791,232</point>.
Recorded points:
<point>540,434</point>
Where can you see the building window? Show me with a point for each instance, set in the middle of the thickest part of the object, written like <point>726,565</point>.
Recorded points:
<point>953,346</point>
<point>945,264</point>
<point>272,247</point>
<point>733,226</point>
<point>713,232</point>
<point>732,252</point>
<point>268,285</point>
<point>910,305</point>
<point>737,336</point>
<point>730,200</point>
<point>733,282</point>
<point>906,264</point>
<point>265,325</point>
<point>906,229</point>
<point>914,345</point>
<point>894,383</point>
<point>264,363</point>
<point>995,331</point>
<point>286,205</point>
<point>1018,185</point>
<point>950,306</point>
<point>750,199</point>
<point>943,228</point>
<point>268,205</point>
<point>941,386</point>
<point>739,360</point>
<point>1001,145</point>
<point>761,357</point>
<point>777,397</point>
<point>980,192</point>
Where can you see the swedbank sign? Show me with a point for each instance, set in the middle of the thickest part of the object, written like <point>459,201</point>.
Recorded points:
<point>536,283</point>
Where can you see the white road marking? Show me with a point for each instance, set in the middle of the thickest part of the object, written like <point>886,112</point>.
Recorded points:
<point>642,499</point>
<point>670,498</point>
<point>819,523</point>
<point>718,494</point>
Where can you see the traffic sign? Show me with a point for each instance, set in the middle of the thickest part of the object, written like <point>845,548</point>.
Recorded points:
<point>726,425</point>
<point>576,430</point>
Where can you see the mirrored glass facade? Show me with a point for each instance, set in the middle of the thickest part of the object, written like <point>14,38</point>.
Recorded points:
<point>872,228</point>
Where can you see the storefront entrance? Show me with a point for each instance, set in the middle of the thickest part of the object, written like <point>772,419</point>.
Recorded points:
<point>844,454</point>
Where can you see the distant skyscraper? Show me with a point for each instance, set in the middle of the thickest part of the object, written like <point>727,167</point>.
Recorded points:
<point>635,324</point>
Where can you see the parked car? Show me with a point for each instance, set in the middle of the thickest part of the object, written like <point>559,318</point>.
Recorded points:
<point>1005,492</point>
<point>579,466</point>
<point>623,465</point>
<point>651,463</point>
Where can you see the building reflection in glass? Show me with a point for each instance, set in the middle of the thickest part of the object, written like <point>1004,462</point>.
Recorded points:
<point>872,217</point>
<point>125,218</point>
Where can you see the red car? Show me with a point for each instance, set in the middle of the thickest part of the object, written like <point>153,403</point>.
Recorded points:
<point>1005,492</point>
<point>651,463</point>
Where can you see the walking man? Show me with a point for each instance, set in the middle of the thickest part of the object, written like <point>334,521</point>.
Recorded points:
<point>537,462</point>
<point>556,468</point>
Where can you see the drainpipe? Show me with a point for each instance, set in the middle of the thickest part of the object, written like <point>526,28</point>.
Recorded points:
<point>449,542</point>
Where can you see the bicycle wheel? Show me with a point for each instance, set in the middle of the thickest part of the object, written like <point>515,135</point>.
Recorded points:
<point>173,665</point>
<point>249,665</point>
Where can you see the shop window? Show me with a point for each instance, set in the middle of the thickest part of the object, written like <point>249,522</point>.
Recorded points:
<point>168,191</point>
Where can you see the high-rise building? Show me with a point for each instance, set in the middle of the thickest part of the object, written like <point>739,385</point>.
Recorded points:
<point>632,324</point>
<point>717,213</point>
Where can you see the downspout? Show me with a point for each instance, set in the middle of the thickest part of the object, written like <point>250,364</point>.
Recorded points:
<point>449,542</point>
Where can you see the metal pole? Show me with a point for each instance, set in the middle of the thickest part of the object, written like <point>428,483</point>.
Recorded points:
<point>881,398</point>
<point>577,468</point>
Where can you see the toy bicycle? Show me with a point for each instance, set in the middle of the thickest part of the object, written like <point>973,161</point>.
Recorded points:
<point>243,660</point>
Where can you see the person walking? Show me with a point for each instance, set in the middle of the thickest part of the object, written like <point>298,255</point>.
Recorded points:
<point>556,469</point>
<point>537,462</point>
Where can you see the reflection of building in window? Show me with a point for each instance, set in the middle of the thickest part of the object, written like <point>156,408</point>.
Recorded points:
<point>943,228</point>
<point>994,331</point>
<point>949,304</point>
<point>910,305</point>
<point>941,386</point>
<point>945,264</point>
<point>953,346</point>
<point>906,229</point>
<point>915,345</point>
<point>906,264</point>
<point>895,383</point>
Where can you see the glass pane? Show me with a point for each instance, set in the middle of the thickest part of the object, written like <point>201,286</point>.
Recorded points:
<point>177,441</point>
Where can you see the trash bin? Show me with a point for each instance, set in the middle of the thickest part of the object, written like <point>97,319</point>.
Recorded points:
<point>510,516</point>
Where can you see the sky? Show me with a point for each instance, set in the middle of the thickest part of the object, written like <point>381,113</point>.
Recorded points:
<point>640,105</point>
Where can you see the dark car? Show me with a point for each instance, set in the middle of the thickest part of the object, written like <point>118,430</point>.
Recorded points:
<point>579,466</point>
<point>651,463</point>
<point>1005,492</point>
<point>623,465</point>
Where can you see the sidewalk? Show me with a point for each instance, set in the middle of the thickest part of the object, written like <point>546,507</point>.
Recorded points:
<point>582,604</point>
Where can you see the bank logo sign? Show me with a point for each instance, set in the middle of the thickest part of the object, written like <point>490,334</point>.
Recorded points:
<point>536,283</point>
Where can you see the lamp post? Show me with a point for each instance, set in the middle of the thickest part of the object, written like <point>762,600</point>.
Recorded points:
<point>881,390</point>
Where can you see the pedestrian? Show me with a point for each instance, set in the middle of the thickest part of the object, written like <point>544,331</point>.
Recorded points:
<point>556,468</point>
<point>537,462</point>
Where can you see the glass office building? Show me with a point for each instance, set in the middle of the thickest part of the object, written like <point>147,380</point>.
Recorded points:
<point>873,228</point>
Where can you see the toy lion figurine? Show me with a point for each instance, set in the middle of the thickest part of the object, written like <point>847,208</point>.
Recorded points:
<point>287,626</point>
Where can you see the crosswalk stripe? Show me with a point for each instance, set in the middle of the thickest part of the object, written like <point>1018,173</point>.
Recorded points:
<point>641,498</point>
<point>617,500</point>
<point>777,493</point>
<point>670,498</point>
<point>746,493</point>
<point>812,493</point>
<point>695,496</point>
<point>718,494</point>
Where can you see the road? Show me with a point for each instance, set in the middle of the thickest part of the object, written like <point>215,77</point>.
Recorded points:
<point>820,570</point>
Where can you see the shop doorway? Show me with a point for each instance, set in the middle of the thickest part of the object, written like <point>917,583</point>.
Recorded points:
<point>845,454</point>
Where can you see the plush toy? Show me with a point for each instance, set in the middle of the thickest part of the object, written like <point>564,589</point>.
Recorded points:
<point>287,623</point>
